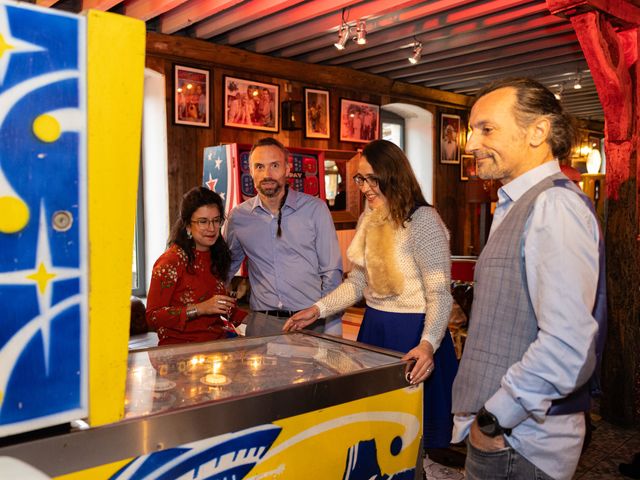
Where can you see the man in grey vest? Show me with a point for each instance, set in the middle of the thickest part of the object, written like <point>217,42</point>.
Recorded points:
<point>539,309</point>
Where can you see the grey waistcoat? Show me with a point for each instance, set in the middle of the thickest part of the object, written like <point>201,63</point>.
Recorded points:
<point>503,323</point>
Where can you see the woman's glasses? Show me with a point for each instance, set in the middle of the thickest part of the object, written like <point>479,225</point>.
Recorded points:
<point>205,222</point>
<point>370,179</point>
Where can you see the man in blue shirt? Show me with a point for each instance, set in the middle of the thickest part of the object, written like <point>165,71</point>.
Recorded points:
<point>290,242</point>
<point>539,309</point>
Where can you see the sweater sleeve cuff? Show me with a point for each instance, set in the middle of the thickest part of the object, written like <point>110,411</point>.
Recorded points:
<point>322,308</point>
<point>435,342</point>
<point>506,409</point>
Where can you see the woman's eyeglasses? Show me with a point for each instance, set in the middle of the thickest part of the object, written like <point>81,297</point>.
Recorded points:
<point>204,222</point>
<point>370,179</point>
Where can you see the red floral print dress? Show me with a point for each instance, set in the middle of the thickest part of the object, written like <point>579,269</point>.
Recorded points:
<point>173,288</point>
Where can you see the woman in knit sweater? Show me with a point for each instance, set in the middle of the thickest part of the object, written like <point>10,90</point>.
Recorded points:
<point>402,266</point>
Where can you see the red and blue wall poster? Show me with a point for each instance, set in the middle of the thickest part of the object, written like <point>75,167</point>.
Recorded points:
<point>43,271</point>
<point>219,172</point>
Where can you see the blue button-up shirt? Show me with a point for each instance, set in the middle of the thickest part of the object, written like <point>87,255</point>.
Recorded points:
<point>293,271</point>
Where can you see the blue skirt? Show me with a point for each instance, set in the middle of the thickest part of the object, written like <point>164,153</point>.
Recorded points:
<point>402,332</point>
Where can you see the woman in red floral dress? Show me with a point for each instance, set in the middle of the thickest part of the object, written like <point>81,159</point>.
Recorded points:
<point>187,299</point>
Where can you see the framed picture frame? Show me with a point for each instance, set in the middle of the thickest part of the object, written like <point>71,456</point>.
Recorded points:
<point>450,132</point>
<point>251,105</point>
<point>316,113</point>
<point>191,97</point>
<point>359,121</point>
<point>468,167</point>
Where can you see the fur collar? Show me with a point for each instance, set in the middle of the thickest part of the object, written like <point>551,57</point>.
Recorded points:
<point>374,248</point>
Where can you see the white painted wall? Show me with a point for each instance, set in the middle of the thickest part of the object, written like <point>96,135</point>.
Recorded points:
<point>154,169</point>
<point>418,143</point>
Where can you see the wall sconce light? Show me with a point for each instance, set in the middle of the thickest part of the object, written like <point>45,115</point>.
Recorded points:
<point>361,33</point>
<point>578,83</point>
<point>291,111</point>
<point>417,53</point>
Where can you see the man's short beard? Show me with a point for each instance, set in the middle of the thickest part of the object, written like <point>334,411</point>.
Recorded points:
<point>271,192</point>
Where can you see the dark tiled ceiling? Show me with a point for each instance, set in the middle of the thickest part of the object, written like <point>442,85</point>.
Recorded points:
<point>465,43</point>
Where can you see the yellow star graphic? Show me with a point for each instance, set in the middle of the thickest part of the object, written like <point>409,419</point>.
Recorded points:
<point>42,277</point>
<point>4,46</point>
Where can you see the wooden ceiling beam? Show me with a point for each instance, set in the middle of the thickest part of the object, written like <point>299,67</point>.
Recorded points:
<point>513,54</point>
<point>472,81</point>
<point>620,10</point>
<point>568,55</point>
<point>192,12</point>
<point>283,20</point>
<point>466,38</point>
<point>237,17</point>
<point>379,14</point>
<point>46,3</point>
<point>147,9</point>
<point>430,28</point>
<point>103,5</point>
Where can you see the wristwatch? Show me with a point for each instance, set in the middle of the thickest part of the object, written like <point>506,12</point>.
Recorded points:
<point>489,424</point>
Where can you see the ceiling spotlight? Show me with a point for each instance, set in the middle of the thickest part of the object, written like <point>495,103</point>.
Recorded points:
<point>417,53</point>
<point>577,84</point>
<point>559,93</point>
<point>343,37</point>
<point>361,33</point>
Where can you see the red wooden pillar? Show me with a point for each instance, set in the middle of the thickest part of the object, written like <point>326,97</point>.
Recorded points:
<point>609,34</point>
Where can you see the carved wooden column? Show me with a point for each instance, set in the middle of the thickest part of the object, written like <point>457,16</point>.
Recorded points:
<point>609,34</point>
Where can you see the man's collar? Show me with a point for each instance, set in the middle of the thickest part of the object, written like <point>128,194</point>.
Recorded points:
<point>520,185</point>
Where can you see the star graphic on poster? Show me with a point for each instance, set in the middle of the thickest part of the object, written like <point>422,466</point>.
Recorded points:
<point>9,45</point>
<point>42,275</point>
<point>211,183</point>
<point>210,156</point>
<point>222,196</point>
<point>218,163</point>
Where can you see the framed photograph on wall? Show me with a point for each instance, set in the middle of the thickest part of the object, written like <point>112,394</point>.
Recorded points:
<point>191,98</point>
<point>359,121</point>
<point>468,167</point>
<point>316,113</point>
<point>250,104</point>
<point>450,131</point>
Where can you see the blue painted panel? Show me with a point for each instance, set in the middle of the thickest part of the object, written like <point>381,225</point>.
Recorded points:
<point>43,274</point>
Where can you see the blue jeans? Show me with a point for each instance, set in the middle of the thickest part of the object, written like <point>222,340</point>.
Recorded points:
<point>504,464</point>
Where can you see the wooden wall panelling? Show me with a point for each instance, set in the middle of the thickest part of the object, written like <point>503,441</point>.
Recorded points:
<point>186,143</point>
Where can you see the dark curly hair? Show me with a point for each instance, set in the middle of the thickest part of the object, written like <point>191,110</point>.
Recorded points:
<point>220,253</point>
<point>396,179</point>
<point>534,100</point>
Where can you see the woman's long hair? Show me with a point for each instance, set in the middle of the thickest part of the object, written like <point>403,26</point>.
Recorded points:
<point>220,253</point>
<point>396,179</point>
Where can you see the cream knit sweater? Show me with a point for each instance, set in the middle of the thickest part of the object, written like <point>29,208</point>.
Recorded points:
<point>422,256</point>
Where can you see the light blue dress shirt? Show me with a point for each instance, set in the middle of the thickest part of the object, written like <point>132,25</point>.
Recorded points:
<point>560,251</point>
<point>291,272</point>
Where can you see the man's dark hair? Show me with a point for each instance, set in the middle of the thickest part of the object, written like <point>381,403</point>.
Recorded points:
<point>534,100</point>
<point>271,142</point>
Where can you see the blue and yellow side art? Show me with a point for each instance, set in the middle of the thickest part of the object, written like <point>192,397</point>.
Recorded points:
<point>372,438</point>
<point>43,271</point>
<point>70,116</point>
